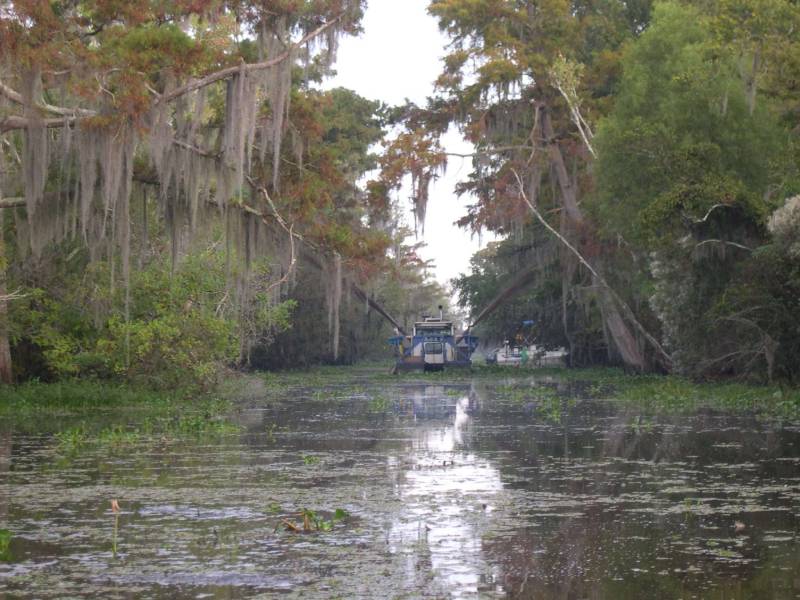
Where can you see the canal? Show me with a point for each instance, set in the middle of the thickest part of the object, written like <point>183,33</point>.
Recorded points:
<point>367,486</point>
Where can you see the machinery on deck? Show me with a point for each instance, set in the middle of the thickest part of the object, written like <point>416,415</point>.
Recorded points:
<point>434,346</point>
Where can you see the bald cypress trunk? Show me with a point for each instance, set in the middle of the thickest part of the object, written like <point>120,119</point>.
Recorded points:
<point>6,373</point>
<point>624,339</point>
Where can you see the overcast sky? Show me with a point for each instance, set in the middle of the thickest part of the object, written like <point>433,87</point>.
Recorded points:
<point>398,57</point>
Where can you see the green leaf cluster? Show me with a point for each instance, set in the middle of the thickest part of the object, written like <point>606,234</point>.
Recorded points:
<point>178,330</point>
<point>680,138</point>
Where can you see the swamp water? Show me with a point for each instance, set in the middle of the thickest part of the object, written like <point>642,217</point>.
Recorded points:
<point>414,488</point>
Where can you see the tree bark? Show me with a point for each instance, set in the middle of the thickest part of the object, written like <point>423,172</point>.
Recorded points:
<point>6,372</point>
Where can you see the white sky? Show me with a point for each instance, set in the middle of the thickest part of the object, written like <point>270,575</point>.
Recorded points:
<point>398,57</point>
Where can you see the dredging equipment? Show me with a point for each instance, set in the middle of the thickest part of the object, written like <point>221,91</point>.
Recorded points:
<point>433,346</point>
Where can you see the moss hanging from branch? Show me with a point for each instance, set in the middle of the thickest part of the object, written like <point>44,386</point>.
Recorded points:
<point>196,156</point>
<point>36,156</point>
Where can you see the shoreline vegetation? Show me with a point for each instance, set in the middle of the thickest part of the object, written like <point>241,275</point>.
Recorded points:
<point>658,393</point>
<point>91,413</point>
<point>86,414</point>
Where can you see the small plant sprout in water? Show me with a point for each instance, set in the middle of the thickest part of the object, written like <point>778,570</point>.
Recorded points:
<point>312,521</point>
<point>116,510</point>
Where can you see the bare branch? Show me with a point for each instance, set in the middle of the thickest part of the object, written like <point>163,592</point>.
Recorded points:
<point>498,150</point>
<point>289,229</point>
<point>15,96</point>
<point>12,202</point>
<point>15,122</point>
<point>726,243</point>
<point>195,149</point>
<point>15,295</point>
<point>708,214</point>
<point>565,76</point>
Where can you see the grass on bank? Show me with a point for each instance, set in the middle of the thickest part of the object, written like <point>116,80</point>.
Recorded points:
<point>87,413</point>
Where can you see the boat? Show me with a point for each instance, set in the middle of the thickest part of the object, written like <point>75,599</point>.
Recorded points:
<point>532,356</point>
<point>433,345</point>
<point>507,355</point>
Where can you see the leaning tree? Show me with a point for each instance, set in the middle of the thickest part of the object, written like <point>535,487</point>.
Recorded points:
<point>511,83</point>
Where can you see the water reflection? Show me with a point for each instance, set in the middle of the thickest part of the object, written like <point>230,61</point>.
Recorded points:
<point>447,492</point>
<point>477,490</point>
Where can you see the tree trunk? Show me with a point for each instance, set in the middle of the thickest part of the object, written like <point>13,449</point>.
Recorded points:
<point>567,272</point>
<point>6,372</point>
<point>623,338</point>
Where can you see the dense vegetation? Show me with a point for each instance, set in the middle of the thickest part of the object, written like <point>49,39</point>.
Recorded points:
<point>179,197</point>
<point>642,159</point>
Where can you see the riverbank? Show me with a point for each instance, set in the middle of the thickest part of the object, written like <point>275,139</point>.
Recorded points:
<point>90,413</point>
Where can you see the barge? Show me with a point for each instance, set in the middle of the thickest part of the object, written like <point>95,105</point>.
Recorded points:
<point>434,346</point>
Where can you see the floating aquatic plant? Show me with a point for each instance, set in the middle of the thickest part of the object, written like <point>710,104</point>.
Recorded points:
<point>5,545</point>
<point>311,521</point>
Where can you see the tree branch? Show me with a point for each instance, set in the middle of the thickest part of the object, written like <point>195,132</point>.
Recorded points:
<point>289,229</point>
<point>498,150</point>
<point>734,244</point>
<point>708,214</point>
<point>599,278</point>
<point>12,202</point>
<point>15,96</point>
<point>16,122</point>
<point>15,295</point>
<point>230,71</point>
<point>13,123</point>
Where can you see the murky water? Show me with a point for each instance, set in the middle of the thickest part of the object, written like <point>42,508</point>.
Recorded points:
<point>450,491</point>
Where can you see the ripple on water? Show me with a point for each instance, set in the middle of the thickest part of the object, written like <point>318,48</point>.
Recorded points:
<point>449,490</point>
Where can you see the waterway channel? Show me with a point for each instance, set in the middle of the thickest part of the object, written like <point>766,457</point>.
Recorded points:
<point>415,489</point>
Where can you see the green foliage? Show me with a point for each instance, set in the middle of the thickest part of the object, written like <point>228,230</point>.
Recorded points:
<point>759,313</point>
<point>693,105</point>
<point>5,545</point>
<point>310,459</point>
<point>650,394</point>
<point>180,329</point>
<point>352,125</point>
<point>86,416</point>
<point>688,162</point>
<point>72,439</point>
<point>680,138</point>
<point>174,333</point>
<point>121,62</point>
<point>74,395</point>
<point>531,256</point>
<point>152,47</point>
<point>314,521</point>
